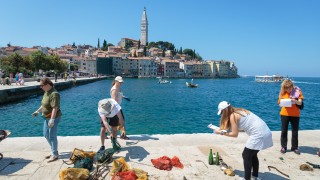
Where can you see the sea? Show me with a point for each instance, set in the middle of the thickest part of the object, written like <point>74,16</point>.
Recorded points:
<point>155,108</point>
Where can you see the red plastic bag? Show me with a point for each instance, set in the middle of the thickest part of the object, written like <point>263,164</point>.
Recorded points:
<point>128,175</point>
<point>162,163</point>
<point>176,162</point>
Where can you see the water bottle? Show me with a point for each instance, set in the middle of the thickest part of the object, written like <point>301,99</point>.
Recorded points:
<point>210,157</point>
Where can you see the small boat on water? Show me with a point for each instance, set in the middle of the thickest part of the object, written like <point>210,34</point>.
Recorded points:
<point>269,79</point>
<point>164,81</point>
<point>190,84</point>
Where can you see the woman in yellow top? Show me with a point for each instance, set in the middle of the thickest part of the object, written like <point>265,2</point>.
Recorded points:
<point>290,114</point>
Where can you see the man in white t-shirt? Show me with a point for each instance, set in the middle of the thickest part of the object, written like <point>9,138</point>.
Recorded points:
<point>108,110</point>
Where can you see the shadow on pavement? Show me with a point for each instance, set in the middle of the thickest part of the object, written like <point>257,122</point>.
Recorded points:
<point>309,150</point>
<point>9,166</point>
<point>265,175</point>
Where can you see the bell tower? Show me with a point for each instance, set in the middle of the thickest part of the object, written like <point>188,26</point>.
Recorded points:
<point>144,28</point>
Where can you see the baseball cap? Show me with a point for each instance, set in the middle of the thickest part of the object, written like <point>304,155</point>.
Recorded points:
<point>119,79</point>
<point>222,105</point>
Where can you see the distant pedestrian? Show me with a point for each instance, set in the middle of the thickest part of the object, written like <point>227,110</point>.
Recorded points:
<point>11,78</point>
<point>290,114</point>
<point>117,95</point>
<point>50,108</point>
<point>17,78</point>
<point>260,136</point>
<point>2,75</point>
<point>55,77</point>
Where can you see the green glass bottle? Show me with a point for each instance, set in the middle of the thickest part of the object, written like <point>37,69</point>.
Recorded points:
<point>217,159</point>
<point>210,157</point>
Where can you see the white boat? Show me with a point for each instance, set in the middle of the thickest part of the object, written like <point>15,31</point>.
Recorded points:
<point>269,79</point>
<point>164,81</point>
<point>190,84</point>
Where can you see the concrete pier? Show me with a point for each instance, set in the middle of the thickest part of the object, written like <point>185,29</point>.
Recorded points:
<point>13,92</point>
<point>24,156</point>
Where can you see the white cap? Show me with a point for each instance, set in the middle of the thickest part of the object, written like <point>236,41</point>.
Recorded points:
<point>119,79</point>
<point>222,105</point>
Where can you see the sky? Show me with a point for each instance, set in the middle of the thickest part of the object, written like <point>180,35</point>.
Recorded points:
<point>262,37</point>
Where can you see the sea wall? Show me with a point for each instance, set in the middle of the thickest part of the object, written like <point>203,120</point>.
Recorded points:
<point>18,93</point>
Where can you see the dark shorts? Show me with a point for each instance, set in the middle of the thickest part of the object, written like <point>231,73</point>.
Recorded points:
<point>114,121</point>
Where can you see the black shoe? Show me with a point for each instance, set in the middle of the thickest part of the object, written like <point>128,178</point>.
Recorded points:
<point>297,151</point>
<point>102,148</point>
<point>283,150</point>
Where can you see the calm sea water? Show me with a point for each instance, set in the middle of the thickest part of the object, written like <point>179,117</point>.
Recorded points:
<point>163,108</point>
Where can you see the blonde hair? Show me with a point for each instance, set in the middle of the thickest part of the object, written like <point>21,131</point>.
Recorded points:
<point>225,123</point>
<point>286,84</point>
<point>113,83</point>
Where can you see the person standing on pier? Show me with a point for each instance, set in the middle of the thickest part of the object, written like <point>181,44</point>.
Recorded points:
<point>117,95</point>
<point>290,114</point>
<point>50,108</point>
<point>260,137</point>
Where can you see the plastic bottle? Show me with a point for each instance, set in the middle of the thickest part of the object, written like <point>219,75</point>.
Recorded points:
<point>210,157</point>
<point>217,159</point>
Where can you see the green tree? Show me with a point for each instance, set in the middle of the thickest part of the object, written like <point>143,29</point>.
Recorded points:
<point>188,52</point>
<point>180,51</point>
<point>163,53</point>
<point>110,44</point>
<point>38,60</point>
<point>73,67</point>
<point>74,45</point>
<point>98,43</point>
<point>104,45</point>
<point>16,61</point>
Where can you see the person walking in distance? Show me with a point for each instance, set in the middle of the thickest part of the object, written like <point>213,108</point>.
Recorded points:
<point>117,95</point>
<point>290,114</point>
<point>50,108</point>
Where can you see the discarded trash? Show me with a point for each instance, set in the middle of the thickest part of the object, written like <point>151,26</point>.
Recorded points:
<point>314,165</point>
<point>269,167</point>
<point>305,167</point>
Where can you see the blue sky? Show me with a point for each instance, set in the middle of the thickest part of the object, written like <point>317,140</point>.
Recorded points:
<point>261,37</point>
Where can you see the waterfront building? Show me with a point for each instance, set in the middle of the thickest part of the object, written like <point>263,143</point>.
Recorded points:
<point>187,68</point>
<point>147,67</point>
<point>212,68</point>
<point>171,67</point>
<point>197,70</point>
<point>223,69</point>
<point>144,28</point>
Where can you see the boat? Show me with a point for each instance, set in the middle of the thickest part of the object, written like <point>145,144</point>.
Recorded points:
<point>269,79</point>
<point>164,81</point>
<point>190,84</point>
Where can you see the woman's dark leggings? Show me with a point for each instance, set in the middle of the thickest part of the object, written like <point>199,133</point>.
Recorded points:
<point>294,121</point>
<point>250,162</point>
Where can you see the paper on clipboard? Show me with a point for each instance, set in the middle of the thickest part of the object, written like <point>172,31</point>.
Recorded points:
<point>285,103</point>
<point>213,127</point>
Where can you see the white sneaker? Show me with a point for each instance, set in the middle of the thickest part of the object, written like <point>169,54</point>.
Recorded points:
<point>52,158</point>
<point>255,178</point>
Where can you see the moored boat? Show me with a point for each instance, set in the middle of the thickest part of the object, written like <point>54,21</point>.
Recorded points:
<point>269,79</point>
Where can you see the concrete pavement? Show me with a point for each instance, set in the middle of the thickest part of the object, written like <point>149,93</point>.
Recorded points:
<point>24,156</point>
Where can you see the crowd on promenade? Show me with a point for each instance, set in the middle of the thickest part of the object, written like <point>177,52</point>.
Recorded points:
<point>8,79</point>
<point>232,121</point>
